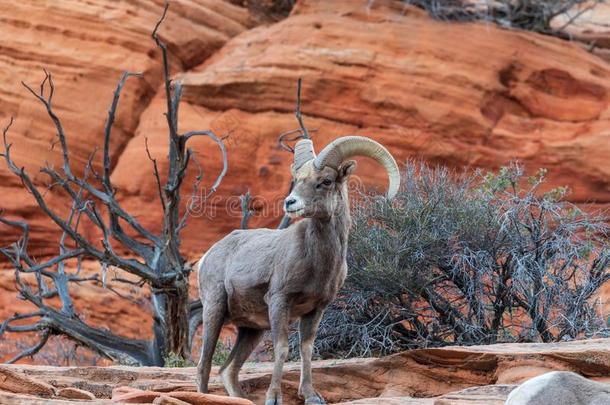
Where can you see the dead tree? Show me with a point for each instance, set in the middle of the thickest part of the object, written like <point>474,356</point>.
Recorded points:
<point>153,258</point>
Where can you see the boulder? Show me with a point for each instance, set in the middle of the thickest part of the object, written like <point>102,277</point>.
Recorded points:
<point>165,400</point>
<point>128,395</point>
<point>75,393</point>
<point>135,396</point>
<point>13,381</point>
<point>197,398</point>
<point>7,398</point>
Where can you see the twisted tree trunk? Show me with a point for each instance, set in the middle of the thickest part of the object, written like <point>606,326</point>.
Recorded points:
<point>171,320</point>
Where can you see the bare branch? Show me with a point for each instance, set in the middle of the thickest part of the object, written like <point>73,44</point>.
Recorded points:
<point>4,326</point>
<point>155,173</point>
<point>58,126</point>
<point>126,281</point>
<point>108,199</point>
<point>108,129</point>
<point>285,137</point>
<point>32,350</point>
<point>196,189</point>
<point>298,111</point>
<point>166,75</point>
<point>225,161</point>
<point>246,213</point>
<point>7,146</point>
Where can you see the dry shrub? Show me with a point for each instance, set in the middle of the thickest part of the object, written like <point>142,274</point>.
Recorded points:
<point>468,259</point>
<point>531,15</point>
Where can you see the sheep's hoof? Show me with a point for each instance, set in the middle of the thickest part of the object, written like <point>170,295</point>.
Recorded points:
<point>316,399</point>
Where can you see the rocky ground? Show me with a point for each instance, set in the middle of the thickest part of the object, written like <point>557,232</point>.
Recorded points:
<point>478,375</point>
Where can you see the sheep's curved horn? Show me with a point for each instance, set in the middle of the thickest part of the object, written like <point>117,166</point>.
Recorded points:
<point>303,153</point>
<point>345,147</point>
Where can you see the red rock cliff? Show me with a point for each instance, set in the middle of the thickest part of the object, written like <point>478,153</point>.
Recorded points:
<point>87,45</point>
<point>461,94</point>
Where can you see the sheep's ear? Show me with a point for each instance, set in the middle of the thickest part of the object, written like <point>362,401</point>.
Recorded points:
<point>345,169</point>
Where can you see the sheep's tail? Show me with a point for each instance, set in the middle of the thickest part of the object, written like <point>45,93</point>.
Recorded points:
<point>197,266</point>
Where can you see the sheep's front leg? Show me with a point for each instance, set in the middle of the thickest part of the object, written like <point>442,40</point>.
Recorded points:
<point>308,326</point>
<point>278,316</point>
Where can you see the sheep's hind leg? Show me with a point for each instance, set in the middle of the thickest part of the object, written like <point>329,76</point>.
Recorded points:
<point>278,315</point>
<point>308,326</point>
<point>247,339</point>
<point>214,312</point>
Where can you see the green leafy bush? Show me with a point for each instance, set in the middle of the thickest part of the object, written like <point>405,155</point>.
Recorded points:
<point>175,360</point>
<point>221,354</point>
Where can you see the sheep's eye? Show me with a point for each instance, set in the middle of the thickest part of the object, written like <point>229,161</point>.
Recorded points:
<point>327,182</point>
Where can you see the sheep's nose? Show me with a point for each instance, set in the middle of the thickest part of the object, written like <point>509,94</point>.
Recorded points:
<point>289,201</point>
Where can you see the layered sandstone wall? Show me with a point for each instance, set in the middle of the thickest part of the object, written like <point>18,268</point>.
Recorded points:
<point>87,45</point>
<point>462,94</point>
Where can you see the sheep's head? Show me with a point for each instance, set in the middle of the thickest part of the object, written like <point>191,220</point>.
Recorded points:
<point>319,181</point>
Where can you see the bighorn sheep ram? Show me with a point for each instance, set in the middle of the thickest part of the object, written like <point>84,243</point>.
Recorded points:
<point>560,388</point>
<point>266,278</point>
